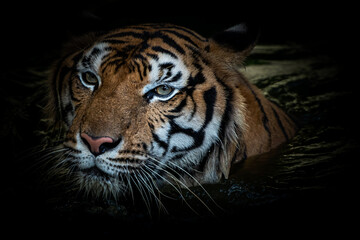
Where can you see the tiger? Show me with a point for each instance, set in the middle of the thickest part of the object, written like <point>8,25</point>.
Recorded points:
<point>152,105</point>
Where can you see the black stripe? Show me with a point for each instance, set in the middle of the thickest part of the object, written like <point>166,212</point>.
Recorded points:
<point>169,41</point>
<point>241,150</point>
<point>197,136</point>
<point>145,68</point>
<point>195,106</point>
<point>179,107</point>
<point>162,50</point>
<point>68,108</point>
<point>184,103</point>
<point>77,105</point>
<point>131,67</point>
<point>153,56</point>
<point>174,78</point>
<point>125,51</point>
<point>161,143</point>
<point>228,108</point>
<point>280,124</point>
<point>265,119</point>
<point>151,126</point>
<point>196,54</point>
<point>210,99</point>
<point>63,72</point>
<point>176,29</point>
<point>86,62</point>
<point>119,64</point>
<point>128,34</point>
<point>57,80</point>
<point>166,65</point>
<point>95,52</point>
<point>186,38</point>
<point>139,70</point>
<point>72,97</point>
<point>119,56</point>
<point>139,56</point>
<point>199,37</point>
<point>203,162</point>
<point>198,79</point>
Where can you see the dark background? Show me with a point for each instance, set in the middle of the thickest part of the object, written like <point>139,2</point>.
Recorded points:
<point>31,29</point>
<point>32,35</point>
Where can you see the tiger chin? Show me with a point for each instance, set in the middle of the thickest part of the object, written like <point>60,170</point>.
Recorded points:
<point>157,104</point>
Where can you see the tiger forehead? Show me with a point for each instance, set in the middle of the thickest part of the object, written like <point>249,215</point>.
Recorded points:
<point>174,36</point>
<point>138,44</point>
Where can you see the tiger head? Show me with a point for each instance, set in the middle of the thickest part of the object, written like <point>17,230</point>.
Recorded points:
<point>152,104</point>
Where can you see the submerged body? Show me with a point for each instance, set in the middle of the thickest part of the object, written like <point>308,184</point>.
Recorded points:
<point>159,104</point>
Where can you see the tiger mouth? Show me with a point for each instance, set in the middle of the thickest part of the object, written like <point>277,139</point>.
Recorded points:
<point>120,167</point>
<point>97,173</point>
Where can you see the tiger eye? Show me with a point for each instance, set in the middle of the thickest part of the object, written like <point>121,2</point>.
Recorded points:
<point>89,78</point>
<point>163,90</point>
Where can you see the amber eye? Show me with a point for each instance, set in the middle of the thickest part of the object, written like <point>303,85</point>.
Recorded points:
<point>89,78</point>
<point>163,90</point>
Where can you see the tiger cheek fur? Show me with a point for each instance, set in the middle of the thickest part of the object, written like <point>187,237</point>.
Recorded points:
<point>160,103</point>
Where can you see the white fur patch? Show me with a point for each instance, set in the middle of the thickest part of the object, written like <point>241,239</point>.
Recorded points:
<point>96,59</point>
<point>158,76</point>
<point>93,62</point>
<point>180,141</point>
<point>163,132</point>
<point>195,123</point>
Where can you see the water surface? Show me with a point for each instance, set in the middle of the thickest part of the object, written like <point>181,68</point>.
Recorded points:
<point>311,178</point>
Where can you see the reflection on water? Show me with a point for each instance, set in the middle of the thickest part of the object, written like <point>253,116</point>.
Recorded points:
<point>318,158</point>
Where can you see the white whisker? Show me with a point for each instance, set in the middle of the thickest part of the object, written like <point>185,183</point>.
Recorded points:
<point>128,180</point>
<point>157,198</point>
<point>196,181</point>
<point>178,181</point>
<point>177,189</point>
<point>146,179</point>
<point>153,173</point>
<point>47,155</point>
<point>142,193</point>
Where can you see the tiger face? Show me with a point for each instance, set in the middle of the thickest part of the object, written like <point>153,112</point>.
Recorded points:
<point>154,104</point>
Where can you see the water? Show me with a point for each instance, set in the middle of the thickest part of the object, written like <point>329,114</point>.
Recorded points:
<point>312,177</point>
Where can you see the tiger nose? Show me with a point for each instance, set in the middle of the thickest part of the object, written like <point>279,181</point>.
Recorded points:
<point>98,145</point>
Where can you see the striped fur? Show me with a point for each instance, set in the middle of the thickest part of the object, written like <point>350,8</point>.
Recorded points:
<point>105,85</point>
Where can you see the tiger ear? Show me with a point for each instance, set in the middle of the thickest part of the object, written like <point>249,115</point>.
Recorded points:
<point>235,43</point>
